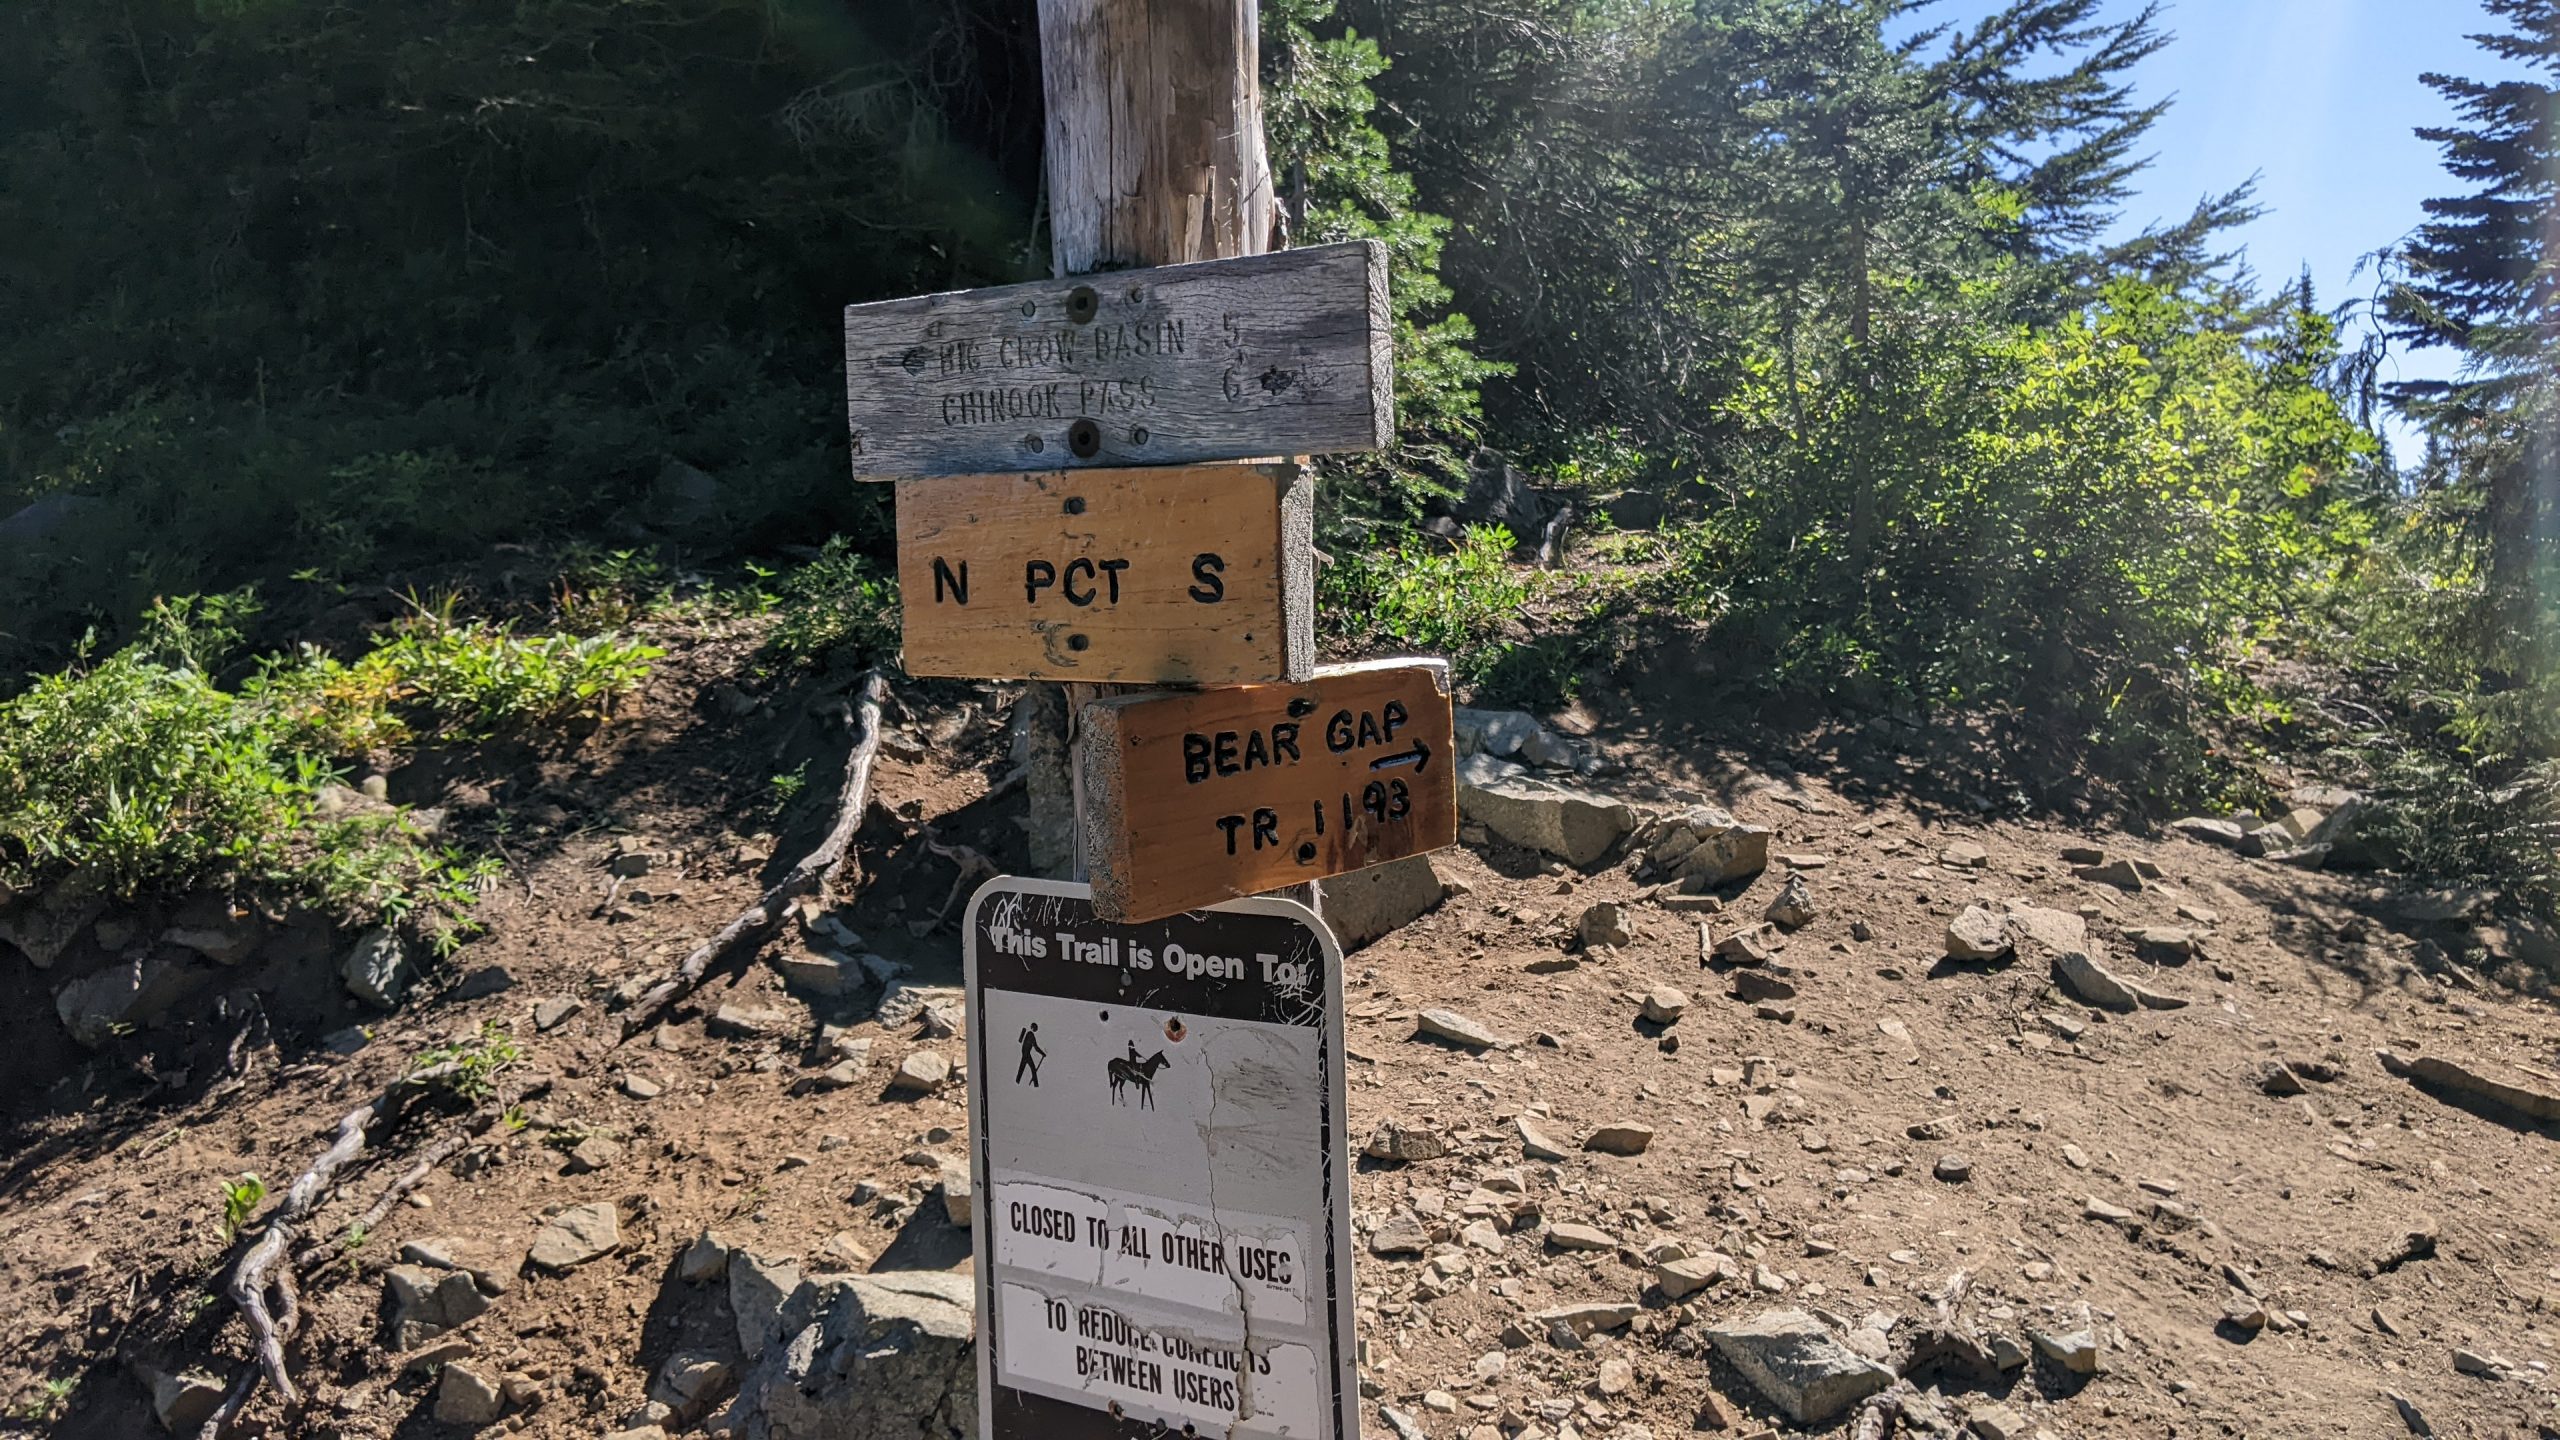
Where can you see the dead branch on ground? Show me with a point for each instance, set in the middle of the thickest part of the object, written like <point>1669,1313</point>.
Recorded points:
<point>815,871</point>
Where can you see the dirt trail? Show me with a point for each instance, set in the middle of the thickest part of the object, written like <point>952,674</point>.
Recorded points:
<point>2245,1257</point>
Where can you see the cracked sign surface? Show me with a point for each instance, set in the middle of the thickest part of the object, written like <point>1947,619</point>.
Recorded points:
<point>1162,1218</point>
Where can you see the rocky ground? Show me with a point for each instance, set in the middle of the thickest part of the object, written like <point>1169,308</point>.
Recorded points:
<point>1832,1110</point>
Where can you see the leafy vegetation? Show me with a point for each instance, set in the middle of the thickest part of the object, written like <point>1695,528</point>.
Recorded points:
<point>1819,310</point>
<point>476,1062</point>
<point>136,772</point>
<point>240,1200</point>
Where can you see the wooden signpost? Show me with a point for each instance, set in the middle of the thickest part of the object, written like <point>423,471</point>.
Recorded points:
<point>1063,515</point>
<point>1199,575</point>
<point>1280,354</point>
<point>1205,796</point>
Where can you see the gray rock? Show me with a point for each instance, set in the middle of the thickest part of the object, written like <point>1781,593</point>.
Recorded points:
<point>886,1357</point>
<point>1706,847</point>
<point>1457,1029</point>
<point>2076,1350</point>
<point>1954,1169</point>
<point>703,1261</point>
<point>959,1200</point>
<point>2052,929</point>
<point>760,1294</point>
<point>1795,1364</point>
<point>1587,1316</point>
<point>1404,1426</point>
<point>465,1396</point>
<point>32,527</point>
<point>2123,874</point>
<point>1623,1138</point>
<point>1406,1143</point>
<point>577,1235</point>
<point>1399,1234</point>
<point>217,929</point>
<point>1367,904</point>
<point>551,1014</point>
<point>182,1400</point>
<point>1501,734</point>
<point>48,925</point>
<point>902,1004</point>
<point>1604,924</point>
<point>592,1154</point>
<point>921,1073</point>
<point>376,969</point>
<point>125,995</point>
<point>2094,983</point>
<point>1792,909</point>
<point>1977,935</point>
<point>1762,986</point>
<point>1665,1004</point>
<point>1690,1274</point>
<point>1535,1143</point>
<point>1575,825</point>
<point>690,1380</point>
<point>425,1302</point>
<point>749,1022</point>
<point>1964,855</point>
<point>2225,833</point>
<point>829,973</point>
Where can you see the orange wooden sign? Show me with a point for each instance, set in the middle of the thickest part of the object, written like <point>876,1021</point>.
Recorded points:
<point>1191,799</point>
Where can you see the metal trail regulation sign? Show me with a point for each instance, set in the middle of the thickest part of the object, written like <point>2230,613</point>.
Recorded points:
<point>1162,1227</point>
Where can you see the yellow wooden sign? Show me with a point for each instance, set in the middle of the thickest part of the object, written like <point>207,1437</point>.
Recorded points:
<point>1199,575</point>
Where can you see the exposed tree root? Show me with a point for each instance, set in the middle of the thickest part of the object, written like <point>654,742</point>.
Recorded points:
<point>815,870</point>
<point>265,1295</point>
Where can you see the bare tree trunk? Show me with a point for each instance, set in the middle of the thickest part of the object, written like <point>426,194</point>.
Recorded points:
<point>1155,158</point>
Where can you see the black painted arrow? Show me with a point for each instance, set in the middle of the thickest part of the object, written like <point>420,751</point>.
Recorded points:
<point>1417,757</point>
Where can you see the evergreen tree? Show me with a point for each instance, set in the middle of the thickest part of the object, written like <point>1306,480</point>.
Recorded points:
<point>2484,278</point>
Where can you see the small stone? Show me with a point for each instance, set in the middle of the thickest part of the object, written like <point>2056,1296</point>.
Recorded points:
<point>641,1087</point>
<point>1941,1127</point>
<point>1482,1235</point>
<point>921,1073</point>
<point>1664,1004</point>
<point>1954,1169</point>
<point>2075,1350</point>
<point>1459,1030</point>
<point>1405,1143</point>
<point>1604,924</point>
<point>1793,1361</point>
<point>592,1154</point>
<point>551,1014</point>
<point>1399,1234</point>
<point>703,1261</point>
<point>1622,1138</point>
<point>2246,1313</point>
<point>577,1235</point>
<point>1977,935</point>
<point>2096,1209</point>
<point>1745,947</point>
<point>376,969</point>
<point>1586,1317</point>
<point>748,1022</point>
<point>2123,874</point>
<point>465,1396</point>
<point>184,1400</point>
<point>2075,1157</point>
<point>1792,908</point>
<point>1682,1278</point>
<point>1572,1236</point>
<point>1964,855</point>
<point>1617,1376</point>
<point>958,1198</point>
<point>1534,1142</point>
<point>2472,1362</point>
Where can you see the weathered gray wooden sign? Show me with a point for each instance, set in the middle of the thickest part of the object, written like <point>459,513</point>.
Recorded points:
<point>1266,355</point>
<point>1162,1219</point>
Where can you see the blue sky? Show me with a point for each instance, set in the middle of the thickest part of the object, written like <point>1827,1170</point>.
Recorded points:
<point>2318,98</point>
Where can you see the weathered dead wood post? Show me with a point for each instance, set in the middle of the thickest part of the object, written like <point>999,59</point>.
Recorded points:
<point>1154,158</point>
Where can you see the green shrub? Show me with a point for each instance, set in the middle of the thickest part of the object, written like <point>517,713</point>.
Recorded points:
<point>1464,603</point>
<point>446,680</point>
<point>839,609</point>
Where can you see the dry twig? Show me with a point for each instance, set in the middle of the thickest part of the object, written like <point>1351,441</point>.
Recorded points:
<point>815,870</point>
